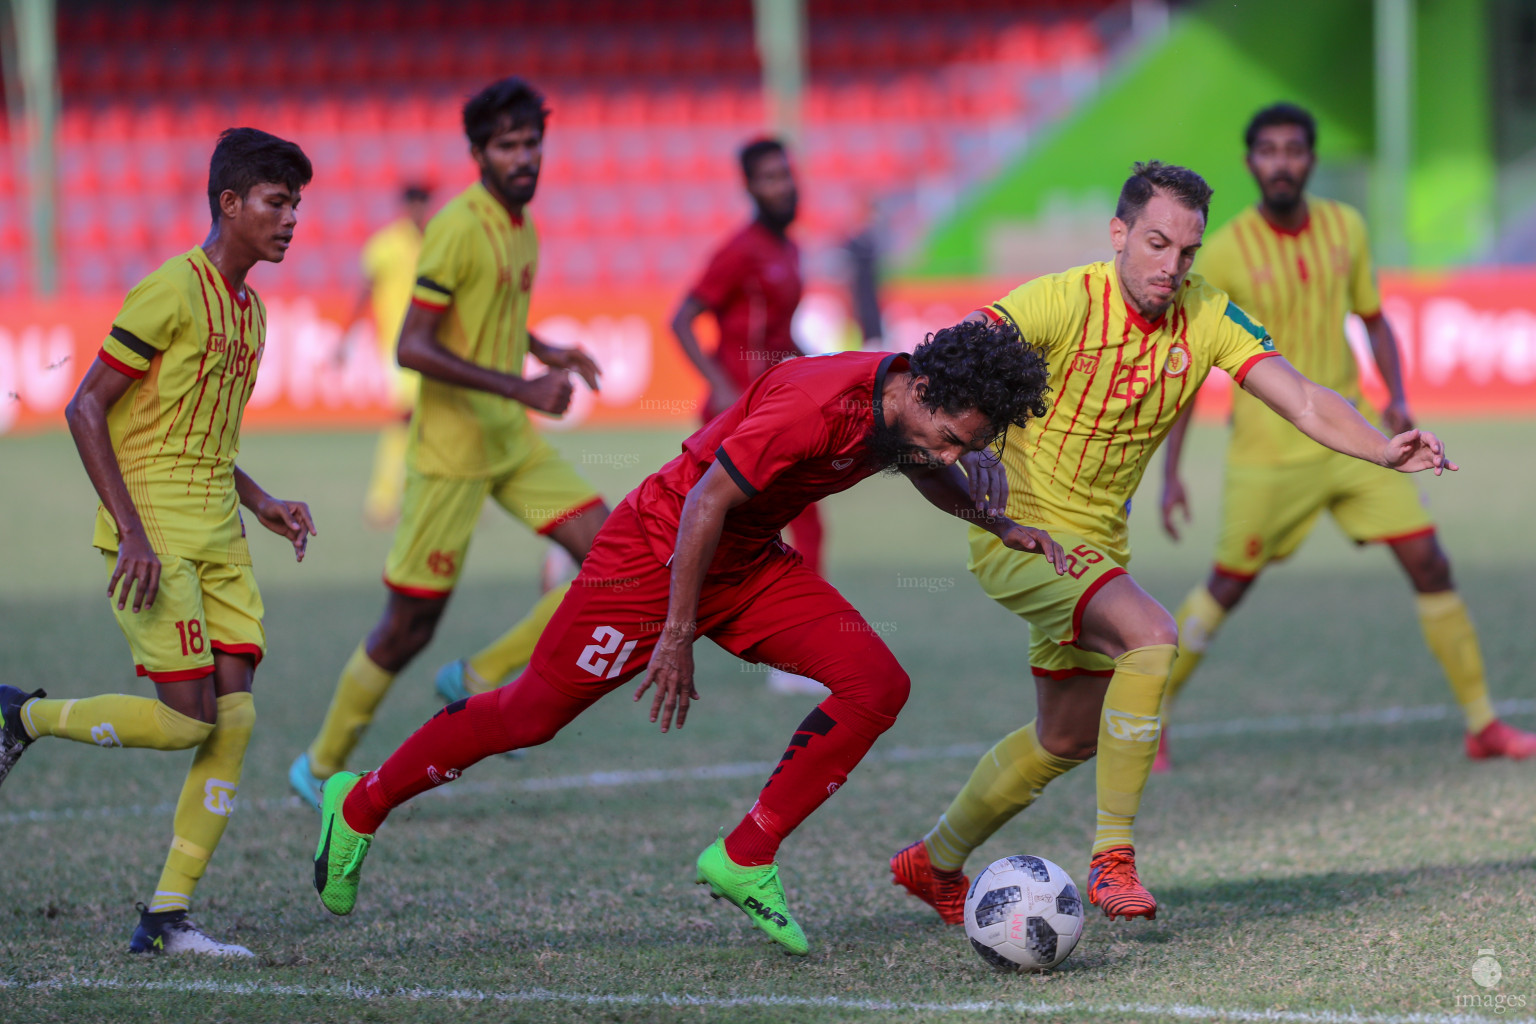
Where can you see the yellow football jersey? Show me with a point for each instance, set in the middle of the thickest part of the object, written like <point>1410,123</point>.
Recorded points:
<point>389,264</point>
<point>1301,284</point>
<point>1117,385</point>
<point>192,346</point>
<point>477,266</point>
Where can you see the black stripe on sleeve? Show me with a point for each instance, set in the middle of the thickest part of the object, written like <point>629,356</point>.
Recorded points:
<point>736,475</point>
<point>133,343</point>
<point>427,282</point>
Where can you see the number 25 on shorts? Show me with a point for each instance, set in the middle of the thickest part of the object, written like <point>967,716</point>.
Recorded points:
<point>1089,557</point>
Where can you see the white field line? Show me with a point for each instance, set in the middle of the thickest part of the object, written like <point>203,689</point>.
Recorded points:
<point>1384,717</point>
<point>358,993</point>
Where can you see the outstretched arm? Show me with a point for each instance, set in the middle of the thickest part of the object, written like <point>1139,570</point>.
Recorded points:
<point>1389,361</point>
<point>102,387</point>
<point>421,351</point>
<point>1327,418</point>
<point>698,534</point>
<point>1174,497</point>
<point>948,491</point>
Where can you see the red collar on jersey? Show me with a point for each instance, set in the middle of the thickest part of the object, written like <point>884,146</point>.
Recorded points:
<point>1289,232</point>
<point>1140,322</point>
<point>243,301</point>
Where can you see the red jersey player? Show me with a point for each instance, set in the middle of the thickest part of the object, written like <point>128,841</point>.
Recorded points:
<point>752,286</point>
<point>695,552</point>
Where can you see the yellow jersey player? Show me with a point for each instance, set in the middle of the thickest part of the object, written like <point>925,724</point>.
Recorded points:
<point>1129,343</point>
<point>1302,264</point>
<point>389,270</point>
<point>157,422</point>
<point>466,333</point>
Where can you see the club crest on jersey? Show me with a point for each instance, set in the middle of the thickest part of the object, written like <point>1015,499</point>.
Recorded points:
<point>217,343</point>
<point>1082,363</point>
<point>1178,360</point>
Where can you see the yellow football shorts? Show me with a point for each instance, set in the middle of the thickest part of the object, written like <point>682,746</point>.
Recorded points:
<point>1027,585</point>
<point>201,607</point>
<point>439,514</point>
<point>1267,511</point>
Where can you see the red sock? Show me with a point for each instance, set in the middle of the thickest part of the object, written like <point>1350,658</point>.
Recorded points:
<point>825,748</point>
<point>524,713</point>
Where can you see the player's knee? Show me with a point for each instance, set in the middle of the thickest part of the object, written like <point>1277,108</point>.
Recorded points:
<point>1226,590</point>
<point>176,730</point>
<point>889,692</point>
<point>1066,742</point>
<point>1432,573</point>
<point>1156,628</point>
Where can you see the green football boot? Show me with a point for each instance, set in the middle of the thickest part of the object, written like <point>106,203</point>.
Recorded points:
<point>340,852</point>
<point>756,891</point>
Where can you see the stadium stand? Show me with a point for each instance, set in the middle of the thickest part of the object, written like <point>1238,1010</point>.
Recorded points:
<point>650,99</point>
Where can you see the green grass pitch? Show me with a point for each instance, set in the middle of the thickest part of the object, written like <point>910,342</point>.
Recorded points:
<point>1317,857</point>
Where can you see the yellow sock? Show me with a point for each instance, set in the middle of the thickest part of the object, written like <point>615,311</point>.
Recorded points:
<point>1199,617</point>
<point>207,800</point>
<point>1128,739</point>
<point>511,651</point>
<point>1452,639</point>
<point>1006,780</point>
<point>387,484</point>
<point>114,720</point>
<point>358,692</point>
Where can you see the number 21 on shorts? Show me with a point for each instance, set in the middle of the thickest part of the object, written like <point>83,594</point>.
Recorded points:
<point>595,657</point>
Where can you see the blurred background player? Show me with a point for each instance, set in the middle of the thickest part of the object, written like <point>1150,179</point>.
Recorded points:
<point>389,274</point>
<point>466,333</point>
<point>863,252</point>
<point>158,443</point>
<point>1129,343</point>
<point>752,285</point>
<point>696,547</point>
<point>1301,264</point>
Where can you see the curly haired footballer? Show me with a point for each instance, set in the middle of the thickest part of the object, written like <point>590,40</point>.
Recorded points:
<point>986,367</point>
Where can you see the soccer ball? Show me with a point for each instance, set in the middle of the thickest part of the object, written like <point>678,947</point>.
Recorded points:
<point>1023,914</point>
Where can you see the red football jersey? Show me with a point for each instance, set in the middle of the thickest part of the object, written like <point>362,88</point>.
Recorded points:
<point>797,435</point>
<point>752,285</point>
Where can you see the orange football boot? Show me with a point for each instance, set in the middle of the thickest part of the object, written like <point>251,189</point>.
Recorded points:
<point>1113,885</point>
<point>944,891</point>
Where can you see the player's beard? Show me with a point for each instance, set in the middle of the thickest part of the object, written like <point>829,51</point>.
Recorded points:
<point>780,219</point>
<point>1284,202</point>
<point>518,195</point>
<point>887,450</point>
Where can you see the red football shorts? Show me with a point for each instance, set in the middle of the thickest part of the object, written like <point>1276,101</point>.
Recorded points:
<point>603,633</point>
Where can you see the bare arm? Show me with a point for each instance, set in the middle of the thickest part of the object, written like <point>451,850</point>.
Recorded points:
<point>698,535</point>
<point>86,414</point>
<point>948,491</point>
<point>290,519</point>
<point>709,369</point>
<point>1325,417</point>
<point>1389,362</point>
<point>1174,496</point>
<point>573,359</point>
<point>421,351</point>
